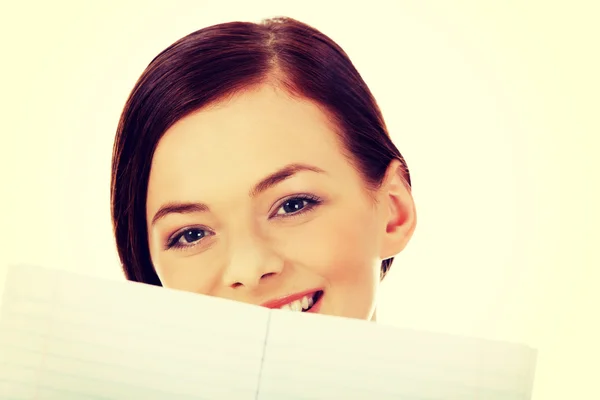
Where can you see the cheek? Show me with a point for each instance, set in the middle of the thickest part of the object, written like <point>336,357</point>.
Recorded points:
<point>339,248</point>
<point>344,252</point>
<point>190,274</point>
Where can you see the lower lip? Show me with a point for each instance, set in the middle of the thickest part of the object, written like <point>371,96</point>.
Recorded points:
<point>317,306</point>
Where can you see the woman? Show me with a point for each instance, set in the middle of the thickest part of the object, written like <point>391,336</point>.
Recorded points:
<point>252,163</point>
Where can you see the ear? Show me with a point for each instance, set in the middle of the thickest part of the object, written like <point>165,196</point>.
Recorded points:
<point>398,211</point>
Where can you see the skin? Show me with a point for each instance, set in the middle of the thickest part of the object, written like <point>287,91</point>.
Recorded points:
<point>258,245</point>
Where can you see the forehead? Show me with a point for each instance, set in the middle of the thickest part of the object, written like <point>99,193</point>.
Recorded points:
<point>239,141</point>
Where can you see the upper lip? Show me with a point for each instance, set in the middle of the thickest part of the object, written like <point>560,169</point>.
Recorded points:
<point>281,301</point>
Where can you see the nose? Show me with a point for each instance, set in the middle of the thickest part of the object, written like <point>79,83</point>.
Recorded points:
<point>251,264</point>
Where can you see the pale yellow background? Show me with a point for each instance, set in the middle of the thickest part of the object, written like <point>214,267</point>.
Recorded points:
<point>494,104</point>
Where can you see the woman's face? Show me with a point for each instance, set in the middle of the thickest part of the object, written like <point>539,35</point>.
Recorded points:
<point>253,200</point>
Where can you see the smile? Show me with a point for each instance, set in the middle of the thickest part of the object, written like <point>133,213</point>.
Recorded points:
<point>303,302</point>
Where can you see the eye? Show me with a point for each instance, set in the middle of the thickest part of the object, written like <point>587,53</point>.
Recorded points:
<point>187,237</point>
<point>296,205</point>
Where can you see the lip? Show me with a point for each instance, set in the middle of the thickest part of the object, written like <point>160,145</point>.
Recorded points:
<point>280,301</point>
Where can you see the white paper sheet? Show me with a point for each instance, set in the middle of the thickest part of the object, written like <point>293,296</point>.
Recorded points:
<point>66,336</point>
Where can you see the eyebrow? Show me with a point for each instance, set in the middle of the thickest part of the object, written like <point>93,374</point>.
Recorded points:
<point>266,183</point>
<point>179,208</point>
<point>281,175</point>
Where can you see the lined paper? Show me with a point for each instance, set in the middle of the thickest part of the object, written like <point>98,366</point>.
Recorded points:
<point>317,357</point>
<point>65,336</point>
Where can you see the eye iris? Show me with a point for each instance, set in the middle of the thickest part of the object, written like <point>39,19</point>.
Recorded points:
<point>193,235</point>
<point>293,205</point>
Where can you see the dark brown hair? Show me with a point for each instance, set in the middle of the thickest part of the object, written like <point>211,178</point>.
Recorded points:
<point>219,61</point>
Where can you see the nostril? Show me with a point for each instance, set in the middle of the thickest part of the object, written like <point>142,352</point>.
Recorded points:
<point>252,281</point>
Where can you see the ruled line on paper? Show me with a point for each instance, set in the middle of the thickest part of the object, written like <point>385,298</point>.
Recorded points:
<point>141,343</point>
<point>390,382</point>
<point>165,389</point>
<point>409,365</point>
<point>81,331</point>
<point>97,347</point>
<point>131,388</point>
<point>262,360</point>
<point>413,367</point>
<point>156,378</point>
<point>119,322</point>
<point>209,373</point>
<point>84,311</point>
<point>154,346</point>
<point>407,350</point>
<point>366,387</point>
<point>49,325</point>
<point>45,388</point>
<point>203,371</point>
<point>354,360</point>
<point>278,395</point>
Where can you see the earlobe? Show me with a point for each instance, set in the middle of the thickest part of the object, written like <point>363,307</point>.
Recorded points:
<point>399,210</point>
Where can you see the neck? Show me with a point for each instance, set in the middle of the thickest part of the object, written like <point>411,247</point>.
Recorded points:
<point>374,316</point>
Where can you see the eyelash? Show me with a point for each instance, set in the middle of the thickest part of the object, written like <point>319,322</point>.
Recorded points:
<point>310,200</point>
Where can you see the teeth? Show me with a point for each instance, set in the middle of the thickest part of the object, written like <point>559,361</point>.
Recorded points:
<point>299,305</point>
<point>296,305</point>
<point>304,303</point>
